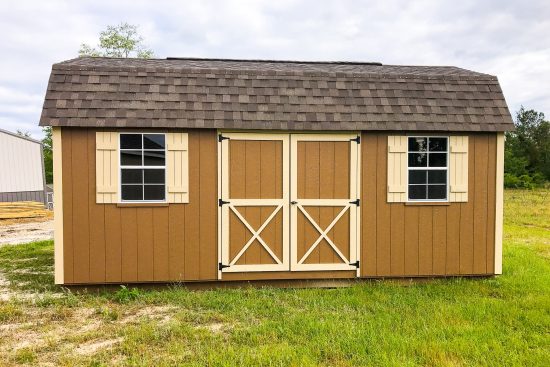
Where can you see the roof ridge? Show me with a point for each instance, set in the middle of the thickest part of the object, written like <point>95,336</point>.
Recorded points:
<point>313,62</point>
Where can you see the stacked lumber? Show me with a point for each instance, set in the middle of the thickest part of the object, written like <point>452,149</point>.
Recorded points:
<point>22,209</point>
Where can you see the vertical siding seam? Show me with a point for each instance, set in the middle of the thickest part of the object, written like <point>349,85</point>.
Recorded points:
<point>200,202</point>
<point>487,207</point>
<point>376,206</point>
<point>433,239</point>
<point>89,206</point>
<point>72,207</point>
<point>474,210</point>
<point>446,209</point>
<point>418,241</point>
<point>153,211</point>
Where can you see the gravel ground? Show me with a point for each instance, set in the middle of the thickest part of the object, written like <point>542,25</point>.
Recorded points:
<point>26,232</point>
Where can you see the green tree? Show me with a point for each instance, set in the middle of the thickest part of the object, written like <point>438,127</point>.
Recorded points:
<point>47,149</point>
<point>122,40</point>
<point>527,154</point>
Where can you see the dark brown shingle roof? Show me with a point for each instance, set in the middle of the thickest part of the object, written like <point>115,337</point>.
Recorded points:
<point>248,94</point>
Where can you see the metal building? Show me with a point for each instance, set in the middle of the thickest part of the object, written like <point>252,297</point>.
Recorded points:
<point>22,175</point>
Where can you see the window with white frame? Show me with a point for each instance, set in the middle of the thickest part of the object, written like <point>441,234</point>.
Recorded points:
<point>428,168</point>
<point>142,167</point>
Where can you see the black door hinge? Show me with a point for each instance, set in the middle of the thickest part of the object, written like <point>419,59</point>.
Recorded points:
<point>222,266</point>
<point>221,137</point>
<point>357,139</point>
<point>356,264</point>
<point>356,202</point>
<point>222,202</point>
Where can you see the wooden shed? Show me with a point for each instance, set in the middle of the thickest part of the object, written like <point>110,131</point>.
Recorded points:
<point>218,170</point>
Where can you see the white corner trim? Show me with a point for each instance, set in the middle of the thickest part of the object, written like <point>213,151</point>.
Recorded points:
<point>58,205</point>
<point>499,207</point>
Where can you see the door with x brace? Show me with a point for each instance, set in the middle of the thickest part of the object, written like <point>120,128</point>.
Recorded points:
<point>324,202</point>
<point>288,202</point>
<point>254,202</point>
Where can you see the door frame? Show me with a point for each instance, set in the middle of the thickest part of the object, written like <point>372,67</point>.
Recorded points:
<point>281,204</point>
<point>354,209</point>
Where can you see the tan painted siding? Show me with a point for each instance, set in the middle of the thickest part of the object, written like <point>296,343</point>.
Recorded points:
<point>110,243</point>
<point>423,240</point>
<point>106,243</point>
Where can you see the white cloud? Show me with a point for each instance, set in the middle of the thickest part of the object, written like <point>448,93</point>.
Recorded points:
<point>506,38</point>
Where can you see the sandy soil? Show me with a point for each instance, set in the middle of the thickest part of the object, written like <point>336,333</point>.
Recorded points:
<point>26,232</point>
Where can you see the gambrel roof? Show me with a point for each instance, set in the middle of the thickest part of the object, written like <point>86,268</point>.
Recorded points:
<point>263,94</point>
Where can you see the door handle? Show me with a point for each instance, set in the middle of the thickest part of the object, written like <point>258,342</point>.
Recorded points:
<point>294,202</point>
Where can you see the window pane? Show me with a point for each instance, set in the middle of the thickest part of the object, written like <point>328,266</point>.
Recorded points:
<point>437,191</point>
<point>153,176</point>
<point>153,141</point>
<point>437,177</point>
<point>130,141</point>
<point>130,158</point>
<point>438,159</point>
<point>417,192</point>
<point>417,159</point>
<point>132,176</point>
<point>417,176</point>
<point>438,144</point>
<point>418,144</point>
<point>154,192</point>
<point>152,158</point>
<point>132,192</point>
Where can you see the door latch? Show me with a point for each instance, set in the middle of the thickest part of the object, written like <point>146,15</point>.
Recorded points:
<point>294,202</point>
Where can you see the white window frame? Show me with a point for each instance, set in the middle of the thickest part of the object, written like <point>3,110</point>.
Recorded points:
<point>121,167</point>
<point>428,168</point>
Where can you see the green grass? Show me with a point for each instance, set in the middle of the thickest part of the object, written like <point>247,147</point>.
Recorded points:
<point>448,322</point>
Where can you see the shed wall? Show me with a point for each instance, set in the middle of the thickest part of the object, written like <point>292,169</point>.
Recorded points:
<point>107,243</point>
<point>20,166</point>
<point>110,243</point>
<point>400,239</point>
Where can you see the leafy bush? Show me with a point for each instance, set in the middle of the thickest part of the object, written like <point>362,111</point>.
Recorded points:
<point>527,151</point>
<point>125,295</point>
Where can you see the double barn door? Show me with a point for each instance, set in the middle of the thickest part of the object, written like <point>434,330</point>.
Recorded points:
<point>288,202</point>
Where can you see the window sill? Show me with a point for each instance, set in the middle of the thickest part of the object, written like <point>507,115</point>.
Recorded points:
<point>140,205</point>
<point>428,203</point>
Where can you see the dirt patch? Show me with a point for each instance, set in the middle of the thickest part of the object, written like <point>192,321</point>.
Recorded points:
<point>162,314</point>
<point>95,346</point>
<point>26,232</point>
<point>5,293</point>
<point>215,327</point>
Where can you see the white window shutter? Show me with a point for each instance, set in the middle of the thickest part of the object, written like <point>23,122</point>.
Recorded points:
<point>106,167</point>
<point>397,169</point>
<point>458,168</point>
<point>177,165</point>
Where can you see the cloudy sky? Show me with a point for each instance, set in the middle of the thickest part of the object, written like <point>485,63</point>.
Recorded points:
<point>510,39</point>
